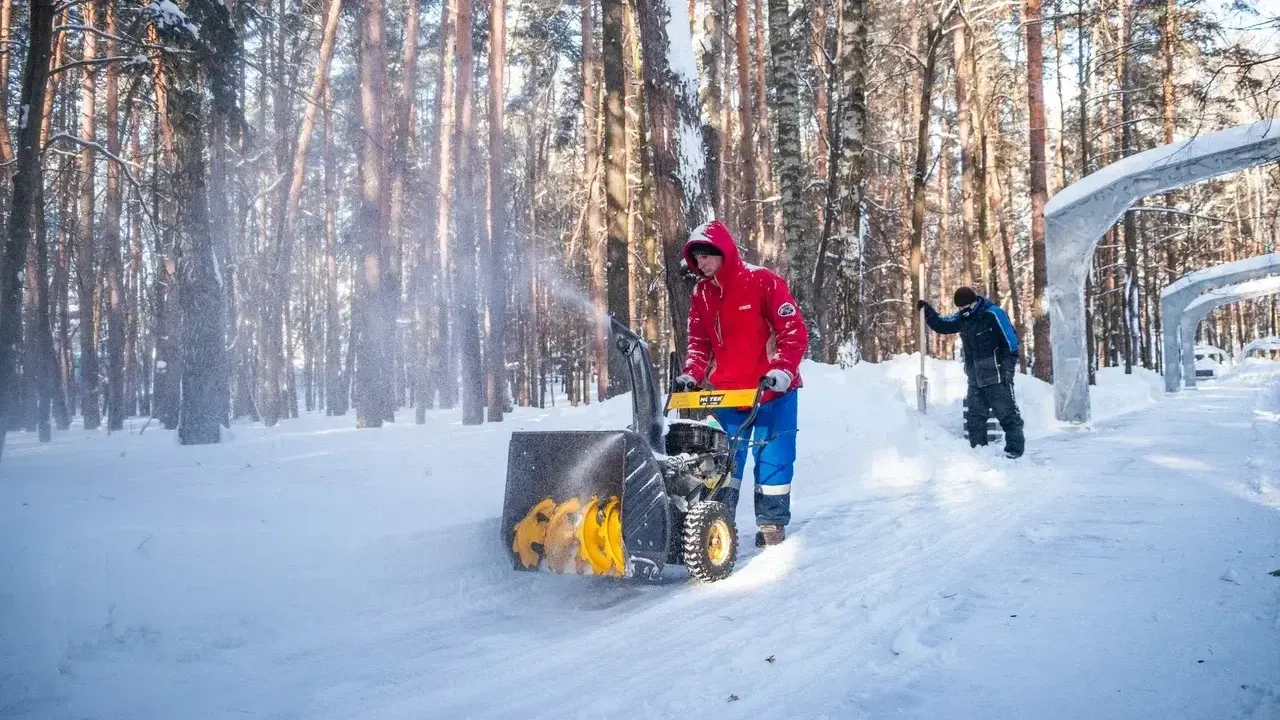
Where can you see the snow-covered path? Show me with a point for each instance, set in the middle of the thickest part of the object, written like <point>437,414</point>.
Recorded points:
<point>1120,572</point>
<point>1143,590</point>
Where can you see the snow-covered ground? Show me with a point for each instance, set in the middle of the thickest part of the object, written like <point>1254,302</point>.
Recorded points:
<point>317,571</point>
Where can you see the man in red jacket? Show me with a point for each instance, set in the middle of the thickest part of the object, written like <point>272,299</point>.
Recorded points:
<point>744,326</point>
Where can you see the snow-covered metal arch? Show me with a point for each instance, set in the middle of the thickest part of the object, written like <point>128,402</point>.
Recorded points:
<point>1177,298</point>
<point>1078,216</point>
<point>1270,342</point>
<point>1199,309</point>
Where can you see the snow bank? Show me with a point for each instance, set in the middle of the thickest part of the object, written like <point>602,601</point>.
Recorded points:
<point>1115,394</point>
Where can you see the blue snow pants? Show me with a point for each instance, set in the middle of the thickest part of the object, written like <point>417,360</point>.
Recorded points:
<point>773,443</point>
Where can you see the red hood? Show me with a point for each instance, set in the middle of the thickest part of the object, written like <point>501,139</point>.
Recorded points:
<point>718,235</point>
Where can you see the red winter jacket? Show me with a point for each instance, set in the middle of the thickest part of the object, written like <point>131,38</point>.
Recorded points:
<point>744,319</point>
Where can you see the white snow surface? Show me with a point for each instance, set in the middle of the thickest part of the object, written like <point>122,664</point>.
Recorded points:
<point>313,570</point>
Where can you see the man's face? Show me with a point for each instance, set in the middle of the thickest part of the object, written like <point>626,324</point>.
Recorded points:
<point>708,264</point>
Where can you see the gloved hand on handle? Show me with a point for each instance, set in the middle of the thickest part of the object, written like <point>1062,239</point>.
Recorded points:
<point>778,380</point>
<point>684,383</point>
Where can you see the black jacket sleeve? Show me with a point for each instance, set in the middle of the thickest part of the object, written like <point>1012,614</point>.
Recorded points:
<point>947,325</point>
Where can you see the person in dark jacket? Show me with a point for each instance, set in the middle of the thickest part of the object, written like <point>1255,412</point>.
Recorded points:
<point>990,357</point>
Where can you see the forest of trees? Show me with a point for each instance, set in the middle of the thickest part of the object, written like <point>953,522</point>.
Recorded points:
<point>224,209</point>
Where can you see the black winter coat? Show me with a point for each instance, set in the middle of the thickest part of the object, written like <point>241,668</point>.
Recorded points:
<point>988,338</point>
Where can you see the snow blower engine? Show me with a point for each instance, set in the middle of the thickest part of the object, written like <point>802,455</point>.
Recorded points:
<point>624,503</point>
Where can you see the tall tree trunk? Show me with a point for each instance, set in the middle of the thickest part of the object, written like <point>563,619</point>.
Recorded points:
<point>166,291</point>
<point>1006,246</point>
<point>444,371</point>
<point>990,268</point>
<point>933,35</point>
<point>764,139</point>
<point>114,271</point>
<point>499,278</point>
<point>52,398</point>
<point>203,326</point>
<point>671,99</point>
<point>708,20</point>
<point>964,126</point>
<point>1129,303</point>
<point>650,249</point>
<point>1062,106</point>
<point>617,157</point>
<point>594,229</point>
<point>789,158</point>
<point>137,385</point>
<point>821,49</point>
<point>87,252</point>
<point>747,156</point>
<point>468,317</point>
<point>374,306</point>
<point>6,140</point>
<point>1043,365</point>
<point>429,274</point>
<point>846,189</point>
<point>402,150</point>
<point>336,394</point>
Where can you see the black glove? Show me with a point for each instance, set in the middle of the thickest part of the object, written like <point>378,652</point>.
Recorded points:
<point>1009,366</point>
<point>920,305</point>
<point>684,383</point>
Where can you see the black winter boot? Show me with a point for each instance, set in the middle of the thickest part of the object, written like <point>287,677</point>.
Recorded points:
<point>770,535</point>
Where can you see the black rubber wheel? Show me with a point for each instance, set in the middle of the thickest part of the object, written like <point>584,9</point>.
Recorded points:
<point>710,541</point>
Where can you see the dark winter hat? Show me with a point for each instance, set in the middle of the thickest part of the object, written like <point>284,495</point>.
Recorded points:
<point>965,296</point>
<point>704,248</point>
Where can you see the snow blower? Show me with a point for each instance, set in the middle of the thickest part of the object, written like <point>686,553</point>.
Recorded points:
<point>625,503</point>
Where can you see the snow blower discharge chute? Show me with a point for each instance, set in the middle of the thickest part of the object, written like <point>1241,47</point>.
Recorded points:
<point>625,503</point>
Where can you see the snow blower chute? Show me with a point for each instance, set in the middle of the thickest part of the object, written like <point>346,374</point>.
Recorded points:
<point>624,503</point>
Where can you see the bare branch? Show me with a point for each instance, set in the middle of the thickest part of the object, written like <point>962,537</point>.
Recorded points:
<point>1183,213</point>
<point>110,36</point>
<point>124,166</point>
<point>91,62</point>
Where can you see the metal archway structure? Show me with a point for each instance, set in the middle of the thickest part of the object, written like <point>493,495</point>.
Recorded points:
<point>1077,217</point>
<point>1270,342</point>
<point>1195,313</point>
<point>1177,298</point>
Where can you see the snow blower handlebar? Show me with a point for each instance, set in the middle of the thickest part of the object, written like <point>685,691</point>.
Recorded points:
<point>711,399</point>
<point>743,430</point>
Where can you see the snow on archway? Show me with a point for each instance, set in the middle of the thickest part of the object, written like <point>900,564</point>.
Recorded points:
<point>1078,216</point>
<point>1195,312</point>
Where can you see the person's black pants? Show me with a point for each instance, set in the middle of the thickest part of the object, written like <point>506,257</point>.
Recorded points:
<point>997,398</point>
